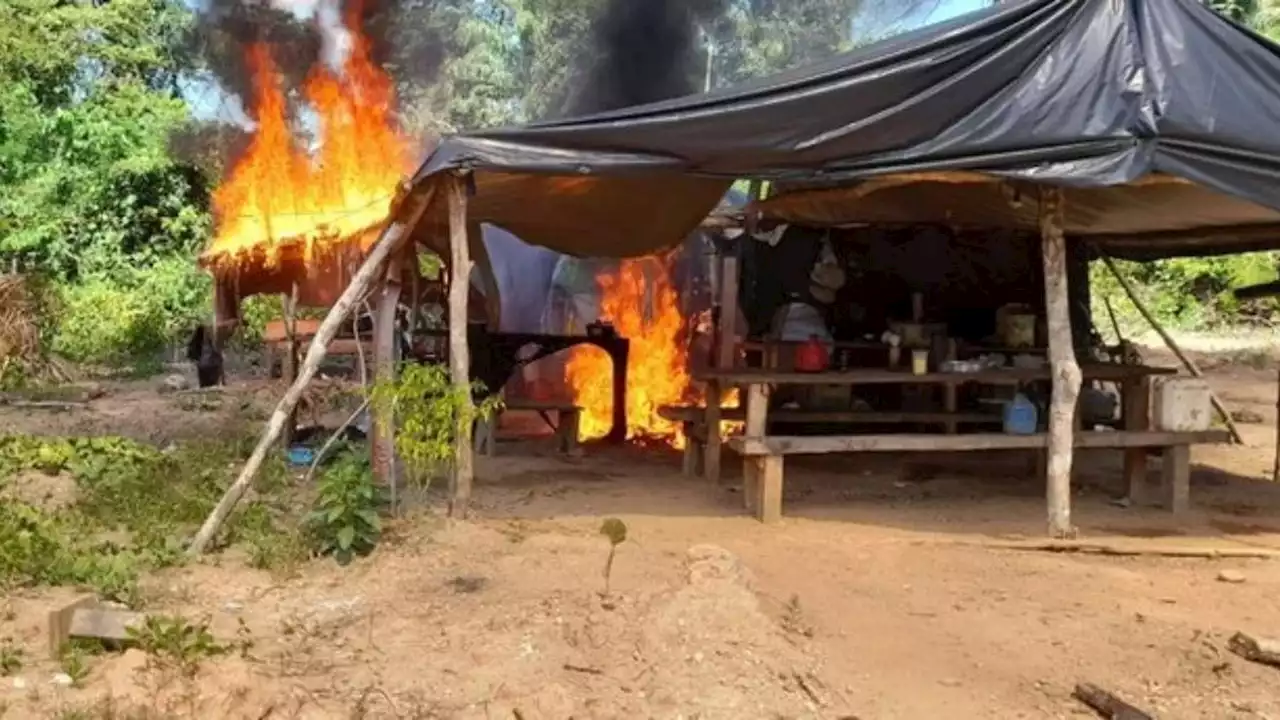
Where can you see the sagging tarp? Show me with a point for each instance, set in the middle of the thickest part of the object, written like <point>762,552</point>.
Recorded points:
<point>1091,94</point>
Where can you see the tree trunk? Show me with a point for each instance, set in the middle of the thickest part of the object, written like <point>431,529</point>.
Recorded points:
<point>1062,359</point>
<point>390,241</point>
<point>459,356</point>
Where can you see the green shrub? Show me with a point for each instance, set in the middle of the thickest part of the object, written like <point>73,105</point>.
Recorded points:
<point>426,404</point>
<point>103,322</point>
<point>127,315</point>
<point>1186,293</point>
<point>137,508</point>
<point>345,521</point>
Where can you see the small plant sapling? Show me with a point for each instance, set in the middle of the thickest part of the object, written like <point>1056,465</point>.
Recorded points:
<point>616,531</point>
<point>175,642</point>
<point>12,657</point>
<point>345,523</point>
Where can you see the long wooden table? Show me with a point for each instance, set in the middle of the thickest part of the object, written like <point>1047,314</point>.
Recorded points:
<point>756,384</point>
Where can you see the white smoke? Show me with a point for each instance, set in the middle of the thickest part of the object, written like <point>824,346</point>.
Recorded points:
<point>328,17</point>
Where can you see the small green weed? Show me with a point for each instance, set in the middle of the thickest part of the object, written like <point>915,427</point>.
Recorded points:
<point>137,507</point>
<point>174,642</point>
<point>12,657</point>
<point>74,659</point>
<point>345,522</point>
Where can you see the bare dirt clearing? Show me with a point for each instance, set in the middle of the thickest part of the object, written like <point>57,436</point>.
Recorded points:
<point>875,598</point>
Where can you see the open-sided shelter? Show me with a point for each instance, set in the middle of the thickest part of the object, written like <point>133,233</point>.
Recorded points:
<point>1145,127</point>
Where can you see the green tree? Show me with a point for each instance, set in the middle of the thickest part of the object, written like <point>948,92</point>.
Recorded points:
<point>90,194</point>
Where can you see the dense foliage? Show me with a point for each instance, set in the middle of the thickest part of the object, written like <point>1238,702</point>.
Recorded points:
<point>96,95</point>
<point>134,508</point>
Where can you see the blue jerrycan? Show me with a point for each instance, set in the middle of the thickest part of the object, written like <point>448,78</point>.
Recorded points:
<point>1020,416</point>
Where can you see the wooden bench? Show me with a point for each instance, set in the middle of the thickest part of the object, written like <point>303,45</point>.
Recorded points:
<point>568,417</point>
<point>763,456</point>
<point>693,420</point>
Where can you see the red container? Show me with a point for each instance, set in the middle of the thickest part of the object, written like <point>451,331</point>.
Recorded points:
<point>812,356</point>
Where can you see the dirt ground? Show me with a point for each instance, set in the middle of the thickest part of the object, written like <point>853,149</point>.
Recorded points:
<point>883,594</point>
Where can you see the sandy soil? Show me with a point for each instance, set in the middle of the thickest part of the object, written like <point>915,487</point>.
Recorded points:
<point>882,594</point>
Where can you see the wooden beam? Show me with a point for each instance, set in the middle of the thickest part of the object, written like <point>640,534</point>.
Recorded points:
<point>1062,361</point>
<point>1187,362</point>
<point>1255,649</point>
<point>392,238</point>
<point>459,355</point>
<point>1091,440</point>
<point>289,366</point>
<point>1108,705</point>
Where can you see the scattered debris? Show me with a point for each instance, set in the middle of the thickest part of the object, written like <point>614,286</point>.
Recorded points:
<point>468,584</point>
<point>174,383</point>
<point>1254,649</point>
<point>582,669</point>
<point>1231,576</point>
<point>1106,704</point>
<point>85,618</point>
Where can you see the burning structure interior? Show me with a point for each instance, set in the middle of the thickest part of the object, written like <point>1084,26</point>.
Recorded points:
<point>924,181</point>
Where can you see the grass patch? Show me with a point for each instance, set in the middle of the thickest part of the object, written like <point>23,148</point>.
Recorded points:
<point>137,509</point>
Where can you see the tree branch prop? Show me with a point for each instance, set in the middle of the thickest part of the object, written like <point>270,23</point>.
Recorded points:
<point>1169,341</point>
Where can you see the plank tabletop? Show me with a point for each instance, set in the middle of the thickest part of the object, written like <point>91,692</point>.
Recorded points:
<point>880,376</point>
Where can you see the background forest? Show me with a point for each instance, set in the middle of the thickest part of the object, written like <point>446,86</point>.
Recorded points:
<point>117,118</point>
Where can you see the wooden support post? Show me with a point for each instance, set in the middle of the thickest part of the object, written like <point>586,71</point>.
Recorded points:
<point>689,462</point>
<point>725,352</point>
<point>765,486</point>
<point>392,238</point>
<point>726,333</point>
<point>289,365</point>
<point>757,410</point>
<point>459,355</point>
<point>951,403</point>
<point>1175,478</point>
<point>567,431</point>
<point>711,450</point>
<point>1062,359</point>
<point>1136,394</point>
<point>383,449</point>
<point>1172,345</point>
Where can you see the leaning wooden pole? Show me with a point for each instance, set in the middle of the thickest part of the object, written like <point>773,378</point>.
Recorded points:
<point>388,243</point>
<point>1062,359</point>
<point>459,355</point>
<point>1173,346</point>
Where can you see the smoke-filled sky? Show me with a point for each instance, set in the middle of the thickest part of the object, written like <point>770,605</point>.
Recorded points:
<point>209,100</point>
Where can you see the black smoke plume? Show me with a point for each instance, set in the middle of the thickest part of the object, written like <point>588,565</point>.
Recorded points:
<point>642,51</point>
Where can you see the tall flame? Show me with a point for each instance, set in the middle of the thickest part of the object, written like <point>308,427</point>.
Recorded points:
<point>280,193</point>
<point>643,307</point>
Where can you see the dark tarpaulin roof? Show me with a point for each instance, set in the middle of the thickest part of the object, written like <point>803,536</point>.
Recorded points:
<point>1083,93</point>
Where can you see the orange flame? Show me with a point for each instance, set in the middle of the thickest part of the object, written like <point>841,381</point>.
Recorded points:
<point>643,307</point>
<point>279,193</point>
